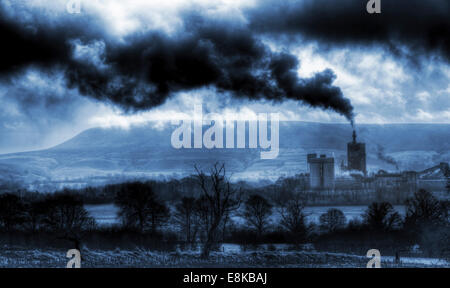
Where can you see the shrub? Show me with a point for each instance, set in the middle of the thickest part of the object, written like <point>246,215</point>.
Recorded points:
<point>332,220</point>
<point>382,216</point>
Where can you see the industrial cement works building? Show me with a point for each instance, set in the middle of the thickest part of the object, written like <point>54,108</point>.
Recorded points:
<point>356,155</point>
<point>358,184</point>
<point>321,171</point>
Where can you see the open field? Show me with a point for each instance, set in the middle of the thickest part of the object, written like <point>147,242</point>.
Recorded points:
<point>42,258</point>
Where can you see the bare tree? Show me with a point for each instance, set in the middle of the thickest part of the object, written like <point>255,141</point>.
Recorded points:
<point>334,219</point>
<point>186,218</point>
<point>293,218</point>
<point>11,211</point>
<point>140,208</point>
<point>202,211</point>
<point>424,209</point>
<point>35,215</point>
<point>65,214</point>
<point>257,213</point>
<point>382,216</point>
<point>428,220</point>
<point>221,199</point>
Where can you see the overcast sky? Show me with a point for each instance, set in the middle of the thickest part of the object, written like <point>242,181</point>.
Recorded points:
<point>121,63</point>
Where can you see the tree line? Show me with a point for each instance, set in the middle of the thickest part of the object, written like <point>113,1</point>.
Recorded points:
<point>206,217</point>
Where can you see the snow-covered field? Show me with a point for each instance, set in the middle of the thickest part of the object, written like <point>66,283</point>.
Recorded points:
<point>104,214</point>
<point>19,257</point>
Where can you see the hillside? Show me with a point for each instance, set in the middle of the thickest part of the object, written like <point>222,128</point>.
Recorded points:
<point>111,155</point>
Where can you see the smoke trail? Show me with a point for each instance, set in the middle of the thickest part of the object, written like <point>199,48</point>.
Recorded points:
<point>388,159</point>
<point>145,69</point>
<point>411,28</point>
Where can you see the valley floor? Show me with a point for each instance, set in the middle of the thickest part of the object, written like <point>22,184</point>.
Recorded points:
<point>43,258</point>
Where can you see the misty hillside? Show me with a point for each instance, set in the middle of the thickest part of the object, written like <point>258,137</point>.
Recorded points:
<point>116,154</point>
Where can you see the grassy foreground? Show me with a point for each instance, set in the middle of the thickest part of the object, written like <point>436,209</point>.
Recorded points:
<point>42,258</point>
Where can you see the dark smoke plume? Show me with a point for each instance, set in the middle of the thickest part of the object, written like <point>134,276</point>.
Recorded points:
<point>147,68</point>
<point>420,26</point>
<point>388,159</point>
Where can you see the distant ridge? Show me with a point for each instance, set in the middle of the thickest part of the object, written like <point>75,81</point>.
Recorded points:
<point>112,153</point>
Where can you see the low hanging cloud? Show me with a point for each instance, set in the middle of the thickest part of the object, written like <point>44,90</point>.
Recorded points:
<point>39,111</point>
<point>144,69</point>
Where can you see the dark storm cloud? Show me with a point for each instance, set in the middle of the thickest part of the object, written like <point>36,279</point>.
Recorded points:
<point>40,43</point>
<point>22,46</point>
<point>421,26</point>
<point>146,68</point>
